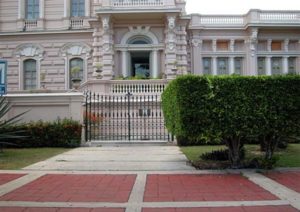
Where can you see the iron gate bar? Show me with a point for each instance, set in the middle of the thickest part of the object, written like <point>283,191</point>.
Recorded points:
<point>123,117</point>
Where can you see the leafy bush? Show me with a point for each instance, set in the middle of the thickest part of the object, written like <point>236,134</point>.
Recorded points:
<point>232,109</point>
<point>60,133</point>
<point>4,124</point>
<point>220,155</point>
<point>186,107</point>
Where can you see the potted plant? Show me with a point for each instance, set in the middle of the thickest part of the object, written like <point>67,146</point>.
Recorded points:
<point>75,77</point>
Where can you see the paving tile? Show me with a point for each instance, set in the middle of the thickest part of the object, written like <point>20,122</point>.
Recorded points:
<point>5,178</point>
<point>36,209</point>
<point>288,179</point>
<point>285,208</point>
<point>229,187</point>
<point>75,188</point>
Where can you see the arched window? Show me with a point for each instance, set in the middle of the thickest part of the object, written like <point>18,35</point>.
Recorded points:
<point>77,8</point>
<point>76,69</point>
<point>30,80</point>
<point>138,40</point>
<point>32,9</point>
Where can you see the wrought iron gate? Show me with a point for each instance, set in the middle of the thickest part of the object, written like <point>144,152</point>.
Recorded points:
<point>124,117</point>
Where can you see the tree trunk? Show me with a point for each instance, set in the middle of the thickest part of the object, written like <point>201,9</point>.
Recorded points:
<point>234,152</point>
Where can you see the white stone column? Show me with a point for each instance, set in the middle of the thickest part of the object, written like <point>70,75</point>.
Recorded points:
<point>42,9</point>
<point>124,63</point>
<point>285,64</point>
<point>268,65</point>
<point>231,65</point>
<point>66,8</point>
<point>214,66</point>
<point>155,63</point>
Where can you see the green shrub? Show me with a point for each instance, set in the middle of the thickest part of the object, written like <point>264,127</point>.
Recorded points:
<point>232,109</point>
<point>186,110</point>
<point>60,133</point>
<point>220,155</point>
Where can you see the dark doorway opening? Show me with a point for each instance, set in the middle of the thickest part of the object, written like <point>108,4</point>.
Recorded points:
<point>140,64</point>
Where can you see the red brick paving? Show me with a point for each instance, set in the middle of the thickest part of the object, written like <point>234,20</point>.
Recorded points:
<point>22,209</point>
<point>75,188</point>
<point>288,179</point>
<point>229,187</point>
<point>285,208</point>
<point>5,178</point>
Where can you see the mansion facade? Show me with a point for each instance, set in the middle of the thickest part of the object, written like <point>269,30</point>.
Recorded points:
<point>43,41</point>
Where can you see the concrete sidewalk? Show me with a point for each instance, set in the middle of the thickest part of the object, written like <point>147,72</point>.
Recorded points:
<point>117,158</point>
<point>144,179</point>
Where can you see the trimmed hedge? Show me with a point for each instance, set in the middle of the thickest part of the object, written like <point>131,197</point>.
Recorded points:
<point>60,133</point>
<point>210,109</point>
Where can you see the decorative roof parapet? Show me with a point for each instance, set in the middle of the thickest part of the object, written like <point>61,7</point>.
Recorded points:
<point>252,18</point>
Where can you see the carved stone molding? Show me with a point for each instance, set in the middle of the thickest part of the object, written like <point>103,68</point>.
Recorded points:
<point>76,49</point>
<point>29,50</point>
<point>196,42</point>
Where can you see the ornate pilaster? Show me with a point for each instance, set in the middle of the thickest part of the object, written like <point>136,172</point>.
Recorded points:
<point>251,46</point>
<point>196,44</point>
<point>107,47</point>
<point>170,51</point>
<point>286,45</point>
<point>231,45</point>
<point>96,47</point>
<point>182,55</point>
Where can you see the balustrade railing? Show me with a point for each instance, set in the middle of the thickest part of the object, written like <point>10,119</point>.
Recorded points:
<point>279,17</point>
<point>136,3</point>
<point>226,20</point>
<point>76,23</point>
<point>30,24</point>
<point>254,16</point>
<point>137,87</point>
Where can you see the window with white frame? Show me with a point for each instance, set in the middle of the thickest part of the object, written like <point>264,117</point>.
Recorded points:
<point>238,65</point>
<point>222,64</point>
<point>261,66</point>
<point>30,73</point>
<point>206,65</point>
<point>76,64</point>
<point>32,9</point>
<point>276,65</point>
<point>292,65</point>
<point>77,8</point>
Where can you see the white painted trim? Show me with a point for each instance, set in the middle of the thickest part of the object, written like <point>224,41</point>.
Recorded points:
<point>44,94</point>
<point>42,9</point>
<point>87,8</point>
<point>66,8</point>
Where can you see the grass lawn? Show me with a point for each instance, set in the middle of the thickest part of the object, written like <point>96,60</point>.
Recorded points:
<point>287,158</point>
<point>19,158</point>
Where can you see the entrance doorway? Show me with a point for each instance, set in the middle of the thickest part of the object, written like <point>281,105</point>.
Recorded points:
<point>140,64</point>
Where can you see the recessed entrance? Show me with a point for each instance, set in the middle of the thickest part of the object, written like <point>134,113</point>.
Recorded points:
<point>140,64</point>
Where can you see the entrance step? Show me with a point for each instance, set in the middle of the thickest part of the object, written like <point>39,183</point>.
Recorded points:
<point>130,143</point>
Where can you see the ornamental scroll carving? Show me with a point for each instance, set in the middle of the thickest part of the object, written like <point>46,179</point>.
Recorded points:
<point>196,42</point>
